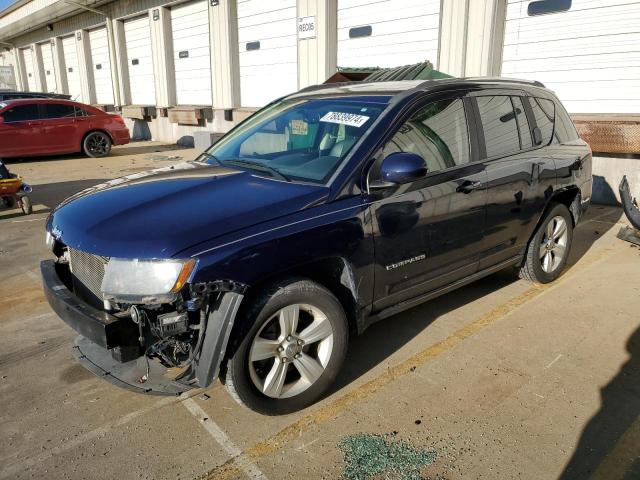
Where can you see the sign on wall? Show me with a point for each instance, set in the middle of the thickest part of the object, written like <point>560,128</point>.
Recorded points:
<point>7,78</point>
<point>306,27</point>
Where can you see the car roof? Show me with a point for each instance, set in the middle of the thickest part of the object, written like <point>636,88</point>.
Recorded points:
<point>398,87</point>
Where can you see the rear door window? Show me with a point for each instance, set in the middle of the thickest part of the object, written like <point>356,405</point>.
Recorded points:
<point>499,125</point>
<point>438,133</point>
<point>523,125</point>
<point>58,110</point>
<point>21,113</point>
<point>544,113</point>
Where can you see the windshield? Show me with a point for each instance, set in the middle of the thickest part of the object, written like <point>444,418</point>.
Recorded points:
<point>304,140</point>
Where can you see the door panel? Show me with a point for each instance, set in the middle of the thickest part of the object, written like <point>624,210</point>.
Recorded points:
<point>20,133</point>
<point>428,233</point>
<point>59,127</point>
<point>518,181</point>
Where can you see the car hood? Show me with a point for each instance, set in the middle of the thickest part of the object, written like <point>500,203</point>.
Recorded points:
<point>159,213</point>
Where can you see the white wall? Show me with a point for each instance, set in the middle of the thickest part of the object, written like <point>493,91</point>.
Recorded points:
<point>589,55</point>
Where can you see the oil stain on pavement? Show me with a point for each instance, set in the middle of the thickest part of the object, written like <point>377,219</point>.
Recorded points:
<point>367,456</point>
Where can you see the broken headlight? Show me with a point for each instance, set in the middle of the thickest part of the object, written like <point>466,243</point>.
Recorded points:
<point>145,281</point>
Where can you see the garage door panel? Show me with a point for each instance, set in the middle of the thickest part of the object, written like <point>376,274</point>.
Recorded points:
<point>402,32</point>
<point>272,70</point>
<point>49,68</point>
<point>280,29</point>
<point>72,68</point>
<point>27,56</point>
<point>190,34</point>
<point>101,66</point>
<point>137,32</point>
<point>589,55</point>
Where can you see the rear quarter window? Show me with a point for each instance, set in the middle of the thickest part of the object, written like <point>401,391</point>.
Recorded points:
<point>544,113</point>
<point>565,130</point>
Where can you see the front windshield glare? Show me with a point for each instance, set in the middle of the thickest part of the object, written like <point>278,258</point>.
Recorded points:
<point>296,140</point>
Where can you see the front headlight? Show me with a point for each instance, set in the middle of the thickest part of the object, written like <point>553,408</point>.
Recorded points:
<point>145,281</point>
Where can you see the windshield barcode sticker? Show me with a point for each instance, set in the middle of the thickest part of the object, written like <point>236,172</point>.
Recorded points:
<point>351,119</point>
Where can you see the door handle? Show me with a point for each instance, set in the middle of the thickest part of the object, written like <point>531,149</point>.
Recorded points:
<point>468,186</point>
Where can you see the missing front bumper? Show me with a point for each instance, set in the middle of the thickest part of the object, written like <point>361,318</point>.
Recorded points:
<point>99,361</point>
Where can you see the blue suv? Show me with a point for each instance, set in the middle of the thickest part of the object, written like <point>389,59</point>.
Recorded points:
<point>326,211</point>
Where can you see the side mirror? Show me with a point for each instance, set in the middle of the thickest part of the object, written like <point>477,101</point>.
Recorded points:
<point>401,167</point>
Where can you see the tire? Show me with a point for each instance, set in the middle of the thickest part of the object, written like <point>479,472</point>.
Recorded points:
<point>545,259</point>
<point>27,208</point>
<point>272,383</point>
<point>96,145</point>
<point>8,202</point>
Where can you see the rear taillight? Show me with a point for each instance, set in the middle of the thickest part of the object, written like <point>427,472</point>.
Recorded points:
<point>118,119</point>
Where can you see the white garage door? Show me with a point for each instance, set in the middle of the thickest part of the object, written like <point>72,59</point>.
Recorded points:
<point>27,57</point>
<point>589,55</point>
<point>71,64</point>
<point>101,66</point>
<point>7,71</point>
<point>49,68</point>
<point>137,34</point>
<point>387,33</point>
<point>268,50</point>
<point>191,56</point>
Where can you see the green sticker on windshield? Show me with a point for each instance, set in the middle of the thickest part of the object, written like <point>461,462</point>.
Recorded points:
<point>299,127</point>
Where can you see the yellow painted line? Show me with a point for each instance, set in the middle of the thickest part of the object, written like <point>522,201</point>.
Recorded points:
<point>229,469</point>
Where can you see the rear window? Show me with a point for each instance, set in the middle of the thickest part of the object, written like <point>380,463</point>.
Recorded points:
<point>544,113</point>
<point>21,113</point>
<point>499,125</point>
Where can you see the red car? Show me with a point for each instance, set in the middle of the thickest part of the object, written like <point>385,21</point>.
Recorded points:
<point>35,127</point>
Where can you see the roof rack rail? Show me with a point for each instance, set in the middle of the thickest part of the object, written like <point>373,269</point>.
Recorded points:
<point>505,80</point>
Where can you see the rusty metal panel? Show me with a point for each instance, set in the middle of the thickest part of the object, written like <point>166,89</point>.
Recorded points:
<point>610,134</point>
<point>185,115</point>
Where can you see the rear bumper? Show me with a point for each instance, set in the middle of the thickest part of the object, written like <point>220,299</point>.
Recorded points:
<point>121,137</point>
<point>98,326</point>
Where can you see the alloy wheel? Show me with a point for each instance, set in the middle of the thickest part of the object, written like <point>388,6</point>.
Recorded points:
<point>554,244</point>
<point>290,351</point>
<point>98,144</point>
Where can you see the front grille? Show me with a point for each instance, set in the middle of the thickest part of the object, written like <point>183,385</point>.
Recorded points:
<point>88,269</point>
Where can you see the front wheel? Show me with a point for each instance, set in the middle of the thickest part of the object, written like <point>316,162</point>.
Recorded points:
<point>97,144</point>
<point>549,248</point>
<point>293,351</point>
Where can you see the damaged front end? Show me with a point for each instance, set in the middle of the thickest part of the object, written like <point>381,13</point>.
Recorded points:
<point>135,334</point>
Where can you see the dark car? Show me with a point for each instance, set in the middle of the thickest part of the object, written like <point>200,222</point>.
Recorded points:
<point>327,210</point>
<point>44,126</point>
<point>13,94</point>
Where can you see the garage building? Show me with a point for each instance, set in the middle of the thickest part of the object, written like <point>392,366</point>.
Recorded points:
<point>176,67</point>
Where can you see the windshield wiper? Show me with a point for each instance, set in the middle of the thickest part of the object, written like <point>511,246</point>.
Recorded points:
<point>258,166</point>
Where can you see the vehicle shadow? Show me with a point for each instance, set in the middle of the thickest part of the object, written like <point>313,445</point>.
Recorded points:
<point>117,151</point>
<point>49,195</point>
<point>609,447</point>
<point>384,338</point>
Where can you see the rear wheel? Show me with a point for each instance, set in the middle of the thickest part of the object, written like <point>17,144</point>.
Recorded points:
<point>97,144</point>
<point>549,247</point>
<point>293,351</point>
